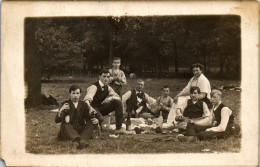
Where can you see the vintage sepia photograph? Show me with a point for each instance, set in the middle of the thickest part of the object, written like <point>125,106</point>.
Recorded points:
<point>172,84</point>
<point>130,83</point>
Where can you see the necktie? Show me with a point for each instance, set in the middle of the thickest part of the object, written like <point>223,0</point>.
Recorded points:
<point>139,94</point>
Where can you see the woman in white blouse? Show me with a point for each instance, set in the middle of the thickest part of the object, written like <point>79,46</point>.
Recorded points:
<point>198,80</point>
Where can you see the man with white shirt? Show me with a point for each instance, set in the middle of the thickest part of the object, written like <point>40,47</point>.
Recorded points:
<point>193,110</point>
<point>76,123</point>
<point>198,80</point>
<point>223,121</point>
<point>101,98</point>
<point>136,100</point>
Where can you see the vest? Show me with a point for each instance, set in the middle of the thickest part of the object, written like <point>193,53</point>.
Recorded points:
<point>132,101</point>
<point>100,95</point>
<point>77,115</point>
<point>193,110</point>
<point>217,114</point>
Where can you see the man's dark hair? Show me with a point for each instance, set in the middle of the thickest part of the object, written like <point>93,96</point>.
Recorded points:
<point>116,58</point>
<point>166,86</point>
<point>197,65</point>
<point>74,87</point>
<point>193,88</point>
<point>103,72</point>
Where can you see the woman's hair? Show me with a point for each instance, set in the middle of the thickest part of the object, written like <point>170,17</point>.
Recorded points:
<point>197,65</point>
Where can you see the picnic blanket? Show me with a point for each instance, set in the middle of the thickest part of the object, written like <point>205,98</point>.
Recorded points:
<point>152,137</point>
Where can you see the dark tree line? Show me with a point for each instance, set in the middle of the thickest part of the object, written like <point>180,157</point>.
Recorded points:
<point>147,45</point>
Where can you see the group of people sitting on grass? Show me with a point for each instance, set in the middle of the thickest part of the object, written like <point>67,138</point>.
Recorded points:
<point>196,110</point>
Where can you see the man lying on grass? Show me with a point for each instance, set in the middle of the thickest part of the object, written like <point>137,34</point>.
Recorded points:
<point>76,123</point>
<point>193,109</point>
<point>223,122</point>
<point>101,98</point>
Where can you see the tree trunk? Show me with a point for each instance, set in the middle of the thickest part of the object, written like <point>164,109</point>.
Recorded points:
<point>204,56</point>
<point>33,66</point>
<point>197,55</point>
<point>176,63</point>
<point>221,64</point>
<point>156,66</point>
<point>101,64</point>
<point>110,45</point>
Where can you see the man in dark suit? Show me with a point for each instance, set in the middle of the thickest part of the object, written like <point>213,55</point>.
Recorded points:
<point>76,123</point>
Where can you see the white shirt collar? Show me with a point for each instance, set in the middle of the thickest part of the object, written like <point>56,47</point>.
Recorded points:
<point>75,104</point>
<point>116,70</point>
<point>197,78</point>
<point>137,91</point>
<point>194,102</point>
<point>101,83</point>
<point>216,106</point>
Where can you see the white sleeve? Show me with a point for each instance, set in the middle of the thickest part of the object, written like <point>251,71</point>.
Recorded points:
<point>206,112</point>
<point>186,90</point>
<point>149,99</point>
<point>182,107</point>
<point>91,91</point>
<point>225,114</point>
<point>112,93</point>
<point>204,85</point>
<point>125,97</point>
<point>123,78</point>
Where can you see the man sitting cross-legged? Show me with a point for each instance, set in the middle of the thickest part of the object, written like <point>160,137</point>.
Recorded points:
<point>136,101</point>
<point>194,110</point>
<point>163,103</point>
<point>102,98</point>
<point>76,123</point>
<point>223,121</point>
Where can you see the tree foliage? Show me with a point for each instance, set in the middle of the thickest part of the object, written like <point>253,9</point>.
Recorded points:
<point>154,44</point>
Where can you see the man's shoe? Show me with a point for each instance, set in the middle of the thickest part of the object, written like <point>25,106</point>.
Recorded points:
<point>83,143</point>
<point>75,146</point>
<point>123,131</point>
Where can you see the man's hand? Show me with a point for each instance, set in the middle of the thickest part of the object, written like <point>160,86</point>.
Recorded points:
<point>94,121</point>
<point>163,107</point>
<point>115,78</point>
<point>190,121</point>
<point>65,106</point>
<point>92,111</point>
<point>119,79</point>
<point>158,108</point>
<point>208,130</point>
<point>179,118</point>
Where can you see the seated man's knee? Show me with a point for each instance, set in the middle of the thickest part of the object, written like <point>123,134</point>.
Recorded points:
<point>65,125</point>
<point>117,102</point>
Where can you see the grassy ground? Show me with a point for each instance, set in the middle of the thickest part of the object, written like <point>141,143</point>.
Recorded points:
<point>41,130</point>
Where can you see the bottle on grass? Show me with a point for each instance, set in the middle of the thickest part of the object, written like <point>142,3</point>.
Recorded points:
<point>160,120</point>
<point>128,122</point>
